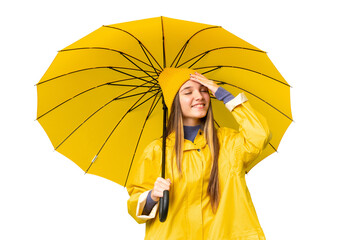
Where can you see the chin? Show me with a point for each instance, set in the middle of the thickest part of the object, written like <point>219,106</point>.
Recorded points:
<point>200,115</point>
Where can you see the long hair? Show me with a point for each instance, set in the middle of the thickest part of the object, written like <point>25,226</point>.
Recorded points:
<point>175,124</point>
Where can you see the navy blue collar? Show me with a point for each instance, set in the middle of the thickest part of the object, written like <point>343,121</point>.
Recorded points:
<point>190,132</point>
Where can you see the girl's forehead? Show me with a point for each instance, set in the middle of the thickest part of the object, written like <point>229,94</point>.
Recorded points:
<point>190,83</point>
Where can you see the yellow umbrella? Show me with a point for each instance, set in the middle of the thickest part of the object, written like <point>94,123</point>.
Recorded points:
<point>100,103</point>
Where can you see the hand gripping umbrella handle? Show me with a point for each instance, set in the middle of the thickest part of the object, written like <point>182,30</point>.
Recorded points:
<point>164,206</point>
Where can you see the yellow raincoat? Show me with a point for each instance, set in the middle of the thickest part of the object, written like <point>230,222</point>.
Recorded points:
<point>190,214</point>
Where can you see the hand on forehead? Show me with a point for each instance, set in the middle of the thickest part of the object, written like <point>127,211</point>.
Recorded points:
<point>201,79</point>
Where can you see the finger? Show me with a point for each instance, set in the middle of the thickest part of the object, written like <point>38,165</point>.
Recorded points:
<point>162,186</point>
<point>192,77</point>
<point>158,180</point>
<point>210,84</point>
<point>198,80</point>
<point>165,187</point>
<point>201,76</point>
<point>158,184</point>
<point>166,182</point>
<point>162,181</point>
<point>158,193</point>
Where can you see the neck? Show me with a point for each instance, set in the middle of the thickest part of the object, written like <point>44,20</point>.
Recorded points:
<point>191,122</point>
<point>192,126</point>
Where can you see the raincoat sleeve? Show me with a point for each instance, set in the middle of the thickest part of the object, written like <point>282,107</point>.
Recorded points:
<point>147,169</point>
<point>252,137</point>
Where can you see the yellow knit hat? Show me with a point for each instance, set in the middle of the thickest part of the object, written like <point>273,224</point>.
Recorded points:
<point>170,80</point>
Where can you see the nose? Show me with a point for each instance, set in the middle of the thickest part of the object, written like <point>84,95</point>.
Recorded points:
<point>198,95</point>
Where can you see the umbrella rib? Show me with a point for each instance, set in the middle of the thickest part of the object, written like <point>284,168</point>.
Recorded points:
<point>134,107</point>
<point>142,93</point>
<point>109,49</point>
<point>242,68</point>
<point>273,147</point>
<point>211,70</point>
<point>152,107</point>
<point>216,49</point>
<point>125,56</point>
<point>112,131</point>
<point>217,123</point>
<point>86,69</point>
<point>224,83</point>
<point>142,47</point>
<point>141,44</point>
<point>155,106</point>
<point>140,78</point>
<point>126,85</point>
<point>198,59</point>
<point>92,116</point>
<point>87,90</point>
<point>182,50</point>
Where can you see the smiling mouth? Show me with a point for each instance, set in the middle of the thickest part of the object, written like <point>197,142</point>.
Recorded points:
<point>201,105</point>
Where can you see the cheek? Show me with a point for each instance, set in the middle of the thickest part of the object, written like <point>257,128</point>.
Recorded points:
<point>207,98</point>
<point>184,102</point>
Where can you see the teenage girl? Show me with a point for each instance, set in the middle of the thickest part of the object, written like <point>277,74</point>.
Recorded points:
<point>205,166</point>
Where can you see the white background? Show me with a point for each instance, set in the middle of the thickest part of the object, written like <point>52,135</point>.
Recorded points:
<point>308,190</point>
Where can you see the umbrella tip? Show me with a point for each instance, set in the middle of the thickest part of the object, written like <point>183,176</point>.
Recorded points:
<point>91,163</point>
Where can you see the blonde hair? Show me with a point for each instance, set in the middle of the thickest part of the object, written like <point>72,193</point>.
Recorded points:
<point>175,124</point>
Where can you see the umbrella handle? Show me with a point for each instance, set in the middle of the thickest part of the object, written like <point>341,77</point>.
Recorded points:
<point>164,206</point>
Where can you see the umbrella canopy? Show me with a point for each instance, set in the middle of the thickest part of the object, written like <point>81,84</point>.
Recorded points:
<point>100,102</point>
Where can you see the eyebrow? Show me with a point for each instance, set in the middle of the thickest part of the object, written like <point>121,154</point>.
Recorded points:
<point>186,88</point>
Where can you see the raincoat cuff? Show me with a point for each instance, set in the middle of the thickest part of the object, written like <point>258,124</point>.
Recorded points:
<point>141,205</point>
<point>239,99</point>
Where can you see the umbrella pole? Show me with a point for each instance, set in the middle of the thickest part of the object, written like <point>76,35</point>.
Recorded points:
<point>164,201</point>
